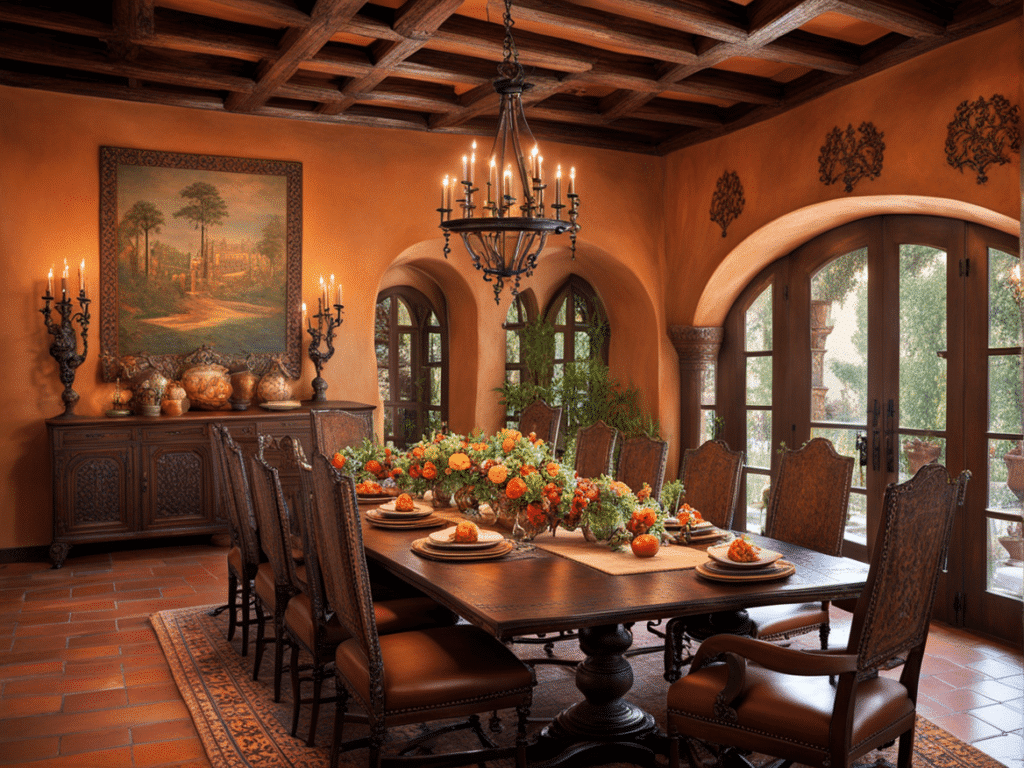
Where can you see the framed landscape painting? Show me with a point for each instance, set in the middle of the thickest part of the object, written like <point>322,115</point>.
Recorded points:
<point>200,261</point>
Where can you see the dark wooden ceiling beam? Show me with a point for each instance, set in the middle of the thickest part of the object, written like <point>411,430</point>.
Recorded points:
<point>272,12</point>
<point>717,20</point>
<point>903,16</point>
<point>436,67</point>
<point>197,34</point>
<point>635,37</point>
<point>54,21</point>
<point>692,114</point>
<point>100,90</point>
<point>804,49</point>
<point>298,44</point>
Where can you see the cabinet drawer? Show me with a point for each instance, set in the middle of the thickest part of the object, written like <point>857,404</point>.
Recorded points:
<point>92,437</point>
<point>187,432</point>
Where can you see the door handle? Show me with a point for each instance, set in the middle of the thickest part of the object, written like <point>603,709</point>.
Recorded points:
<point>876,441</point>
<point>890,454</point>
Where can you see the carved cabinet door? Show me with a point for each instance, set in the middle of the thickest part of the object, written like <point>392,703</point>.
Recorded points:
<point>176,486</point>
<point>96,496</point>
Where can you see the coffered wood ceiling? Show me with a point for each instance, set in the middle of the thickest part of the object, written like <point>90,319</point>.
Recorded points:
<point>646,76</point>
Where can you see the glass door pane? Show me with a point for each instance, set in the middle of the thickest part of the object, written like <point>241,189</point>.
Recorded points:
<point>758,398</point>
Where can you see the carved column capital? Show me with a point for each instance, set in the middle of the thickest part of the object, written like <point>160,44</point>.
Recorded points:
<point>696,346</point>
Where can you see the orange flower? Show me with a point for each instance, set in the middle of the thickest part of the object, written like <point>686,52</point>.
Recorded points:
<point>516,487</point>
<point>552,469</point>
<point>459,461</point>
<point>498,474</point>
<point>396,471</point>
<point>536,515</point>
<point>415,471</point>
<point>418,452</point>
<point>338,461</point>
<point>533,437</point>
<point>620,488</point>
<point>515,434</point>
<point>508,444</point>
<point>438,437</point>
<point>527,469</point>
<point>373,466</point>
<point>429,471</point>
<point>479,447</point>
<point>644,493</point>
<point>387,453</point>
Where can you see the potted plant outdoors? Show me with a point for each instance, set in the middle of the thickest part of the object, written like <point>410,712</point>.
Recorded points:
<point>1013,540</point>
<point>1014,459</point>
<point>920,452</point>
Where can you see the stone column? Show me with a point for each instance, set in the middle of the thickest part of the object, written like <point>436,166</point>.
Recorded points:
<point>698,352</point>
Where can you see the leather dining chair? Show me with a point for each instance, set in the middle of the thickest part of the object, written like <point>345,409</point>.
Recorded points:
<point>807,506</point>
<point>245,554</point>
<point>309,622</point>
<point>595,447</point>
<point>642,460</point>
<point>543,420</point>
<point>333,429</point>
<point>751,695</point>
<point>711,481</point>
<point>407,677</point>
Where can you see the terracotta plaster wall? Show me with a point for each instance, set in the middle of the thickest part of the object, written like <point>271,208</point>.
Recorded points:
<point>368,207</point>
<point>777,163</point>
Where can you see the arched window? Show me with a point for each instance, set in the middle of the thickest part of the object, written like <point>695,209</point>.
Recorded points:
<point>899,339</point>
<point>411,339</point>
<point>580,322</point>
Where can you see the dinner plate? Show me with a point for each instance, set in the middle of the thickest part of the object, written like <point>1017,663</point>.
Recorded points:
<point>485,539</point>
<point>281,405</point>
<point>673,522</point>
<point>381,498</point>
<point>423,548</point>
<point>430,521</point>
<point>712,571</point>
<point>700,537</point>
<point>418,507</point>
<point>720,554</point>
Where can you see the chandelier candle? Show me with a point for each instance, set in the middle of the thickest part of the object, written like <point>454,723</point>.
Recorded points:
<point>506,238</point>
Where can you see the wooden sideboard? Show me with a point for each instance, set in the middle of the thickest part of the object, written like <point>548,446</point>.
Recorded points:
<point>144,477</point>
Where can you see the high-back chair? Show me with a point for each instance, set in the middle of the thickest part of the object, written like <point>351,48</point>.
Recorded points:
<point>311,624</point>
<point>595,447</point>
<point>333,429</point>
<point>407,677</point>
<point>277,585</point>
<point>543,420</point>
<point>808,506</point>
<point>784,705</point>
<point>245,555</point>
<point>711,481</point>
<point>642,460</point>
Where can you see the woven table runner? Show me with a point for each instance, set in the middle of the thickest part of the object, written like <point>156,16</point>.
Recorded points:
<point>573,545</point>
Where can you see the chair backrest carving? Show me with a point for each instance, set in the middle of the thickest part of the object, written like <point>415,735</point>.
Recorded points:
<point>893,612</point>
<point>642,460</point>
<point>225,496</point>
<point>809,498</point>
<point>595,447</point>
<point>334,429</point>
<point>314,576</point>
<point>339,540</point>
<point>711,481</point>
<point>274,518</point>
<point>542,419</point>
<point>241,492</point>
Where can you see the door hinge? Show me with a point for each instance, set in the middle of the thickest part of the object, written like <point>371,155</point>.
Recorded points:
<point>785,293</point>
<point>965,267</point>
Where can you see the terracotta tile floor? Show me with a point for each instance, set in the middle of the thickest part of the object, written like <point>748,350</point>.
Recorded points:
<point>83,681</point>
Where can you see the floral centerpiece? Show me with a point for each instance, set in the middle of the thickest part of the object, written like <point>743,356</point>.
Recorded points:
<point>368,462</point>
<point>609,511</point>
<point>423,466</point>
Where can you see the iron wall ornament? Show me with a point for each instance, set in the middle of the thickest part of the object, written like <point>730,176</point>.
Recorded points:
<point>848,158</point>
<point>983,133</point>
<point>728,201</point>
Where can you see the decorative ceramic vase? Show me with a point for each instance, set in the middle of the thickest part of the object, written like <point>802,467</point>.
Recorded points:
<point>243,388</point>
<point>464,498</point>
<point>175,400</point>
<point>920,452</point>
<point>274,386</point>
<point>208,386</point>
<point>148,388</point>
<point>440,498</point>
<point>1014,545</point>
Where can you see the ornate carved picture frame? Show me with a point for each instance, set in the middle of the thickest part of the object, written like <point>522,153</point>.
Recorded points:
<point>200,260</point>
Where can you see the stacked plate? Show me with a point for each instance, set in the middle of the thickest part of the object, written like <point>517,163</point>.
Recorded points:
<point>420,516</point>
<point>768,566</point>
<point>377,498</point>
<point>702,532</point>
<point>441,545</point>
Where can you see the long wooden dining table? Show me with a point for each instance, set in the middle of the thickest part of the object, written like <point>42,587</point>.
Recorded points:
<point>536,591</point>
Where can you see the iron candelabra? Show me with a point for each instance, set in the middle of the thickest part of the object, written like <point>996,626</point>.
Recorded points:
<point>64,347</point>
<point>318,335</point>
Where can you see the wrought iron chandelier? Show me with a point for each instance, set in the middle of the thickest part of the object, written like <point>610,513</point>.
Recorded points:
<point>505,229</point>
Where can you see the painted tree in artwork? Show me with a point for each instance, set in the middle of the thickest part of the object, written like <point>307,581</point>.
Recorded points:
<point>144,217</point>
<point>272,245</point>
<point>206,208</point>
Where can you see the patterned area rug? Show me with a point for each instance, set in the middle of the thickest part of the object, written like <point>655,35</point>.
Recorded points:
<point>240,725</point>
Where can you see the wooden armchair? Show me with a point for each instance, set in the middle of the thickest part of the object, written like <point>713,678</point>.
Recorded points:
<point>595,447</point>
<point>407,677</point>
<point>642,460</point>
<point>543,420</point>
<point>784,704</point>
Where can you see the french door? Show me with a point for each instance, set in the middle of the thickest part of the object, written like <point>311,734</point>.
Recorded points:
<point>898,338</point>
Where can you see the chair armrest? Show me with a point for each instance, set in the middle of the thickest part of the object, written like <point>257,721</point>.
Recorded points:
<point>771,656</point>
